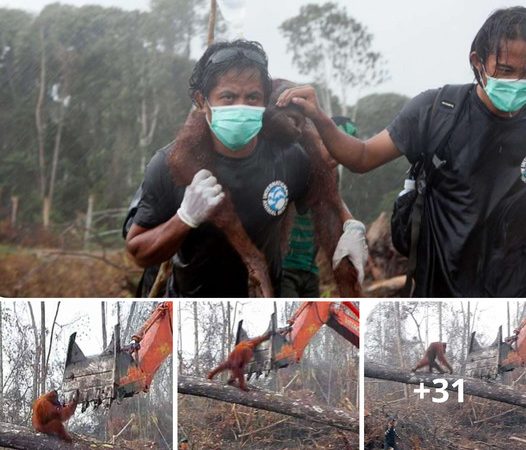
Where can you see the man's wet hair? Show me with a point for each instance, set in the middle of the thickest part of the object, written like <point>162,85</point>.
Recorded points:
<point>221,57</point>
<point>503,25</point>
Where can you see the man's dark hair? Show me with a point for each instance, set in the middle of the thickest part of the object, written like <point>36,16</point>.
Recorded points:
<point>250,56</point>
<point>503,25</point>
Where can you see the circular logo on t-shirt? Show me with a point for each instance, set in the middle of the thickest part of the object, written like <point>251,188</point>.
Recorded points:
<point>523,170</point>
<point>275,198</point>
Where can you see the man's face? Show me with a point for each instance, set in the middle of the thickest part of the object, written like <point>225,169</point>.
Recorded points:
<point>511,64</point>
<point>236,88</point>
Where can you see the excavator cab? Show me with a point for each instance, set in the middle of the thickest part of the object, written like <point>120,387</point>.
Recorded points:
<point>264,359</point>
<point>119,371</point>
<point>97,377</point>
<point>488,362</point>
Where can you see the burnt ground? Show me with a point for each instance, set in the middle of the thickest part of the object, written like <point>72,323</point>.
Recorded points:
<point>475,424</point>
<point>214,425</point>
<point>55,272</point>
<point>38,272</point>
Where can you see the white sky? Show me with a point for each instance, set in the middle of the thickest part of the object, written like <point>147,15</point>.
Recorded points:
<point>426,43</point>
<point>254,313</point>
<point>490,314</point>
<point>82,316</point>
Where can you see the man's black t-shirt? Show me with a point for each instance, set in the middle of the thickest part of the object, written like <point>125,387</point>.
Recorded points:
<point>473,237</point>
<point>261,186</point>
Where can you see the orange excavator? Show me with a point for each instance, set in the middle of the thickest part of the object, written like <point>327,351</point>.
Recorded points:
<point>286,345</point>
<point>120,371</point>
<point>501,356</point>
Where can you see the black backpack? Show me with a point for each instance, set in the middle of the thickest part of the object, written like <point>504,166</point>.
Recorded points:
<point>407,211</point>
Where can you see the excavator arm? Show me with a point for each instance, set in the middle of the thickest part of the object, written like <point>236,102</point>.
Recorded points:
<point>120,371</point>
<point>287,344</point>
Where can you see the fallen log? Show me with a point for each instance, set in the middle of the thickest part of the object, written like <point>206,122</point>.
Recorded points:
<point>472,386</point>
<point>269,401</point>
<point>22,438</point>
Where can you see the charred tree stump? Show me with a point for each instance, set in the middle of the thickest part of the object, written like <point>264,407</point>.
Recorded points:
<point>22,438</point>
<point>472,386</point>
<point>269,401</point>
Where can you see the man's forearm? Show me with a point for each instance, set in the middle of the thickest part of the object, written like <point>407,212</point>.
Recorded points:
<point>153,246</point>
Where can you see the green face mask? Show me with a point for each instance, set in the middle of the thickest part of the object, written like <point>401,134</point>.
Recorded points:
<point>236,125</point>
<point>506,95</point>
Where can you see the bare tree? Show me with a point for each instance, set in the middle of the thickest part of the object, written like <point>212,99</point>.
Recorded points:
<point>179,338</point>
<point>440,322</point>
<point>51,337</point>
<point>398,319</point>
<point>43,347</point>
<point>212,19</point>
<point>1,368</point>
<point>103,323</point>
<point>47,177</point>
<point>38,348</point>
<point>196,339</point>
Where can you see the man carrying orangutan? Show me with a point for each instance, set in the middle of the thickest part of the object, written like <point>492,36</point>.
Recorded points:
<point>231,86</point>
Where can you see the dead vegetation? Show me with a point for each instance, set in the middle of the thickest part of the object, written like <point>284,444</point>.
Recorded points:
<point>238,427</point>
<point>58,273</point>
<point>476,424</point>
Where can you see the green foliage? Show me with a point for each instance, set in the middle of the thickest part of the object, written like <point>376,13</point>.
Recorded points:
<point>108,72</point>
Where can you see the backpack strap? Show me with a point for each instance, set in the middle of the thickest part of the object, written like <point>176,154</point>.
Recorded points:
<point>447,106</point>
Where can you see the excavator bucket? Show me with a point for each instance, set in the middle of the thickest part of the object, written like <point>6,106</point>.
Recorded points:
<point>97,377</point>
<point>488,362</point>
<point>263,360</point>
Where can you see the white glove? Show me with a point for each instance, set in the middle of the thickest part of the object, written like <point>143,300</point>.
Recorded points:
<point>352,244</point>
<point>200,198</point>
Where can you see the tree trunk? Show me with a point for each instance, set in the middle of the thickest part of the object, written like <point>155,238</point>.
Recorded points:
<point>398,324</point>
<point>472,386</point>
<point>39,121</point>
<point>212,19</point>
<point>148,128</point>
<point>196,340</point>
<point>51,337</point>
<point>103,323</point>
<point>269,401</point>
<point>1,368</point>
<point>43,346</point>
<point>180,339</point>
<point>229,326</point>
<point>127,332</point>
<point>22,438</point>
<point>36,369</point>
<point>14,210</point>
<point>89,220</point>
<point>54,161</point>
<point>463,351</point>
<point>440,322</point>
